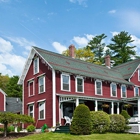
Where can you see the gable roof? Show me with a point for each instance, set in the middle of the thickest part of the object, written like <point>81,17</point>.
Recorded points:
<point>13,104</point>
<point>127,69</point>
<point>1,91</point>
<point>75,66</point>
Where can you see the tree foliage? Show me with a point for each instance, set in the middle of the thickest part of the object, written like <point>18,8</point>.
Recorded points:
<point>8,117</point>
<point>81,122</point>
<point>97,47</point>
<point>120,48</point>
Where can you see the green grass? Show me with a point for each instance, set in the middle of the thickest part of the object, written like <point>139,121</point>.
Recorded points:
<point>62,136</point>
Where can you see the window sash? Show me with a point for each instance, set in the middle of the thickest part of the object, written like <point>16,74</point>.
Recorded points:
<point>41,84</point>
<point>42,110</point>
<point>65,82</point>
<point>31,88</point>
<point>79,85</point>
<point>31,110</point>
<point>136,91</point>
<point>123,88</point>
<point>98,87</point>
<point>36,65</point>
<point>113,90</point>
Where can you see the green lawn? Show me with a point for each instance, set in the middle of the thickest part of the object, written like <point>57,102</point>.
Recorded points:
<point>62,136</point>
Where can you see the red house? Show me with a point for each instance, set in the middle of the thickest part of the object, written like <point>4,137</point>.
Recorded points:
<point>2,100</point>
<point>53,85</point>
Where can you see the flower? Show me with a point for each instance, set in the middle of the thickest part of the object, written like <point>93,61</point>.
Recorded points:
<point>127,105</point>
<point>105,105</point>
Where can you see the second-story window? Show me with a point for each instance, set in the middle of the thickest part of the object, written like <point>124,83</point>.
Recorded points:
<point>123,91</point>
<point>138,74</point>
<point>31,88</point>
<point>65,82</point>
<point>136,91</point>
<point>98,87</point>
<point>36,65</point>
<point>79,84</point>
<point>113,88</point>
<point>41,84</point>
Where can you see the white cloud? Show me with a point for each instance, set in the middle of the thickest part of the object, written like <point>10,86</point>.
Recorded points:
<point>22,42</point>
<point>89,37</point>
<point>112,11</point>
<point>5,46</point>
<point>81,41</point>
<point>114,33</point>
<point>80,2</point>
<point>59,47</point>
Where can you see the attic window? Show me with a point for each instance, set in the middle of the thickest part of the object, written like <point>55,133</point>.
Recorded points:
<point>36,65</point>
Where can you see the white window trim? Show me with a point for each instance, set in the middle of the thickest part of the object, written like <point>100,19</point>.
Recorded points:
<point>62,82</point>
<point>36,58</point>
<point>135,92</point>
<point>121,91</point>
<point>31,104</point>
<point>41,101</point>
<point>96,88</point>
<point>31,81</point>
<point>79,77</point>
<point>111,89</point>
<point>43,82</point>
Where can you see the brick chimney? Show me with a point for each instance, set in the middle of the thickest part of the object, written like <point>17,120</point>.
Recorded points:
<point>107,61</point>
<point>72,51</point>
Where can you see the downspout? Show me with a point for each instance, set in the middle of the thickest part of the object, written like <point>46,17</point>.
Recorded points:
<point>53,97</point>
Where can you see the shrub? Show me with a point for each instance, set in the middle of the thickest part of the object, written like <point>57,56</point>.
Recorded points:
<point>30,128</point>
<point>125,114</point>
<point>117,123</point>
<point>81,122</point>
<point>1,129</point>
<point>100,121</point>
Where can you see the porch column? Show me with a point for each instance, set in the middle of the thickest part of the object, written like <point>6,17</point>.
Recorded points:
<point>139,110</point>
<point>118,109</point>
<point>96,105</point>
<point>77,101</point>
<point>112,107</point>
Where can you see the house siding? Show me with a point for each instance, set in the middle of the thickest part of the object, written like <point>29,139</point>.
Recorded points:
<point>2,102</point>
<point>47,95</point>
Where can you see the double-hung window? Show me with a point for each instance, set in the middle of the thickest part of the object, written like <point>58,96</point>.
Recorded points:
<point>136,91</point>
<point>41,84</point>
<point>123,91</point>
<point>65,82</point>
<point>31,110</point>
<point>41,110</point>
<point>113,88</point>
<point>31,88</point>
<point>98,87</point>
<point>36,65</point>
<point>79,84</point>
<point>138,74</point>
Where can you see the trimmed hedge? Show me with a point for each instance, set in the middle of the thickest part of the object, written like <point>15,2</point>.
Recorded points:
<point>117,123</point>
<point>81,122</point>
<point>30,128</point>
<point>100,121</point>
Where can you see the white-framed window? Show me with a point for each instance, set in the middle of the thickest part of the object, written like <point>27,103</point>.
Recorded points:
<point>123,91</point>
<point>136,91</point>
<point>31,110</point>
<point>65,82</point>
<point>113,89</point>
<point>31,88</point>
<point>138,74</point>
<point>41,84</point>
<point>98,87</point>
<point>36,65</point>
<point>41,114</point>
<point>79,84</point>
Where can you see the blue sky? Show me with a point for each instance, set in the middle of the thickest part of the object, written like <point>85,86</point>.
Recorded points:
<point>55,24</point>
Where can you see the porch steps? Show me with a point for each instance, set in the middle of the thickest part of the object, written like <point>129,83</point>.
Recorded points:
<point>62,129</point>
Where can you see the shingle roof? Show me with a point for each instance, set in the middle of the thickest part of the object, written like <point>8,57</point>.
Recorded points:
<point>79,67</point>
<point>128,68</point>
<point>13,104</point>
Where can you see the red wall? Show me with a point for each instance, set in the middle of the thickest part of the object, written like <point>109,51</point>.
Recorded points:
<point>1,102</point>
<point>47,95</point>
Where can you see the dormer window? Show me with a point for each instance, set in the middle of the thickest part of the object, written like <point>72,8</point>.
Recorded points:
<point>98,87</point>
<point>136,91</point>
<point>79,84</point>
<point>113,90</point>
<point>65,82</point>
<point>36,65</point>
<point>123,91</point>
